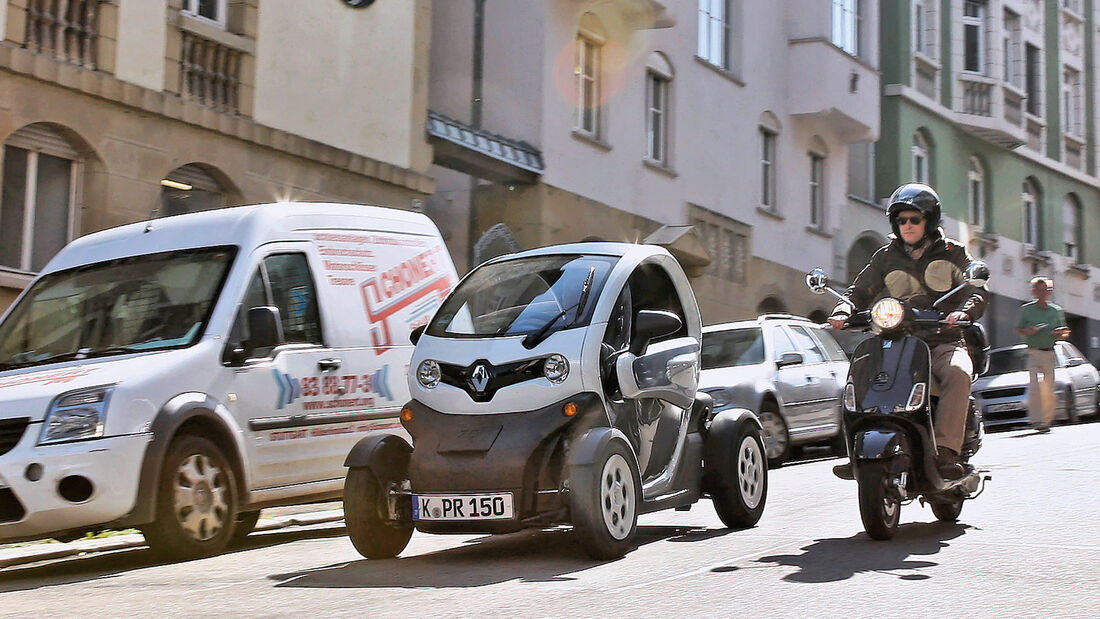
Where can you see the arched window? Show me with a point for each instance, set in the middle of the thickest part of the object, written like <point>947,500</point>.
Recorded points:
<point>921,157</point>
<point>976,193</point>
<point>41,187</point>
<point>1032,200</point>
<point>190,189</point>
<point>818,153</point>
<point>859,254</point>
<point>771,305</point>
<point>769,138</point>
<point>1071,228</point>
<point>587,73</point>
<point>658,96</point>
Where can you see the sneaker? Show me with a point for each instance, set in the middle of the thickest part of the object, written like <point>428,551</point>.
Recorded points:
<point>844,471</point>
<point>1042,428</point>
<point>947,462</point>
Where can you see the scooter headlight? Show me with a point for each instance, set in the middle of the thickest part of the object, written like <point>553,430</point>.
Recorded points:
<point>555,368</point>
<point>887,313</point>
<point>849,398</point>
<point>428,374</point>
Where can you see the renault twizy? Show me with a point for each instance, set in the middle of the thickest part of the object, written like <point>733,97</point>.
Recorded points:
<point>557,386</point>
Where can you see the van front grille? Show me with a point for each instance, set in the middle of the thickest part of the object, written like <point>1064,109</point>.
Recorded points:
<point>11,430</point>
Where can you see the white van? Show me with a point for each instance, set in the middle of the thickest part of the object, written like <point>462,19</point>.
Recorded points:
<point>181,374</point>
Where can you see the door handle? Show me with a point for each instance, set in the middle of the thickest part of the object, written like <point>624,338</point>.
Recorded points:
<point>329,364</point>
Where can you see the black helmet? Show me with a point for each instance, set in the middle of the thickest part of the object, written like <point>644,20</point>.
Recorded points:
<point>916,197</point>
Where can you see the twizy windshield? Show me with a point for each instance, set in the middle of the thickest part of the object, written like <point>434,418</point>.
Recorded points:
<point>126,305</point>
<point>1007,361</point>
<point>525,296</point>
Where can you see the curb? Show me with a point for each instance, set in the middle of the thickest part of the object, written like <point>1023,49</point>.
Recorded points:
<point>46,552</point>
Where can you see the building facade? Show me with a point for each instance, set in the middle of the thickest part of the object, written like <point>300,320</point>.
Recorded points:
<point>114,111</point>
<point>993,103</point>
<point>730,131</point>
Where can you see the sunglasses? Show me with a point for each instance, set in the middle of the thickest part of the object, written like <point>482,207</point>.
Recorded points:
<point>914,219</point>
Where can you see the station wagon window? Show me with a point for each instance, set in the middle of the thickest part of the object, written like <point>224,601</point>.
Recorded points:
<point>806,344</point>
<point>732,348</point>
<point>284,281</point>
<point>832,350</point>
<point>781,344</point>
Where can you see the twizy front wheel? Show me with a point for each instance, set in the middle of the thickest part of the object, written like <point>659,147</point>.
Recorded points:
<point>880,511</point>
<point>604,502</point>
<point>367,516</point>
<point>740,491</point>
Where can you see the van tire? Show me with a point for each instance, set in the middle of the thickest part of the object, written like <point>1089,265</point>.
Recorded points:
<point>196,504</point>
<point>367,520</point>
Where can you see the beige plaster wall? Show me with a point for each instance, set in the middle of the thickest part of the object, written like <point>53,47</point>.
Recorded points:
<point>363,84</point>
<point>142,35</point>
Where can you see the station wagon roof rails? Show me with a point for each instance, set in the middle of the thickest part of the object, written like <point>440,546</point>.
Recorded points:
<point>782,317</point>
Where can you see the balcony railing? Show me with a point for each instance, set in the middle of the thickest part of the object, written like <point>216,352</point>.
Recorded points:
<point>210,73</point>
<point>925,72</point>
<point>1014,107</point>
<point>64,29</point>
<point>977,96</point>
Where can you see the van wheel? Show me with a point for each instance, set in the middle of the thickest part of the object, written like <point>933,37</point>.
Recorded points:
<point>246,523</point>
<point>739,495</point>
<point>196,501</point>
<point>603,501</point>
<point>366,515</point>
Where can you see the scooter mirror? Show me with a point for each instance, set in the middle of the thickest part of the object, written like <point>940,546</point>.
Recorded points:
<point>817,281</point>
<point>977,274</point>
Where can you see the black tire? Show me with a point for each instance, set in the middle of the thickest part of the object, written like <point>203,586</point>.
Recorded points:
<point>777,440</point>
<point>366,516</point>
<point>196,503</point>
<point>739,495</point>
<point>879,512</point>
<point>603,502</point>
<point>839,445</point>
<point>947,511</point>
<point>1071,410</point>
<point>246,523</point>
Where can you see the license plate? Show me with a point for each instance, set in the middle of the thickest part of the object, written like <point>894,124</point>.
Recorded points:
<point>1004,406</point>
<point>497,506</point>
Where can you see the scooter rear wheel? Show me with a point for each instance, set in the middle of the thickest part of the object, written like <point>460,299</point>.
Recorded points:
<point>879,511</point>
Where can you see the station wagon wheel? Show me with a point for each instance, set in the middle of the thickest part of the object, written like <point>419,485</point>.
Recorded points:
<point>1071,408</point>
<point>196,505</point>
<point>604,498</point>
<point>777,441</point>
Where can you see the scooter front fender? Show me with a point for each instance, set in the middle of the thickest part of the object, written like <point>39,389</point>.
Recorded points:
<point>879,444</point>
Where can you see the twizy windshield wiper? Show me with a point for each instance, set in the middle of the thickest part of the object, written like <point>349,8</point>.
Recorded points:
<point>533,339</point>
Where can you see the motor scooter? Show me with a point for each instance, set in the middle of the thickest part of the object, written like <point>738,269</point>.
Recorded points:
<point>889,407</point>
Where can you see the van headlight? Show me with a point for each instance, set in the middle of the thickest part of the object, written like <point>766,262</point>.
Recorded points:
<point>76,415</point>
<point>887,313</point>
<point>555,368</point>
<point>428,374</point>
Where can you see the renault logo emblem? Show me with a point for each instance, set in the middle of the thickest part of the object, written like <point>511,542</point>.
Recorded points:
<point>479,378</point>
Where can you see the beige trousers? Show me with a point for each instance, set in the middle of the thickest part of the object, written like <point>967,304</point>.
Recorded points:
<point>952,368</point>
<point>1040,394</point>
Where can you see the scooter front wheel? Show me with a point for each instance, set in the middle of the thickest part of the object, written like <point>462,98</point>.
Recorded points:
<point>879,511</point>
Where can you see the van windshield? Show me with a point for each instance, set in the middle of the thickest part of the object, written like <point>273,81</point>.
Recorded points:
<point>524,296</point>
<point>131,304</point>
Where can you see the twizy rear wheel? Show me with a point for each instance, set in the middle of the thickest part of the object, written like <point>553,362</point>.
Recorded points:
<point>739,494</point>
<point>879,511</point>
<point>367,516</point>
<point>604,502</point>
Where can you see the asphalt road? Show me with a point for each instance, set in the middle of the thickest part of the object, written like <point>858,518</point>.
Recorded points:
<point>1028,547</point>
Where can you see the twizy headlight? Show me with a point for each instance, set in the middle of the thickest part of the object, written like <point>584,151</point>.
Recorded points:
<point>76,415</point>
<point>887,313</point>
<point>428,374</point>
<point>850,397</point>
<point>555,368</point>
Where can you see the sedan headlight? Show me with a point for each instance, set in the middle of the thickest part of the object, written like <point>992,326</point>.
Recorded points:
<point>556,368</point>
<point>76,415</point>
<point>887,313</point>
<point>428,374</point>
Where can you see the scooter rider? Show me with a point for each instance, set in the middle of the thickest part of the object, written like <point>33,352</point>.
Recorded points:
<point>918,266</point>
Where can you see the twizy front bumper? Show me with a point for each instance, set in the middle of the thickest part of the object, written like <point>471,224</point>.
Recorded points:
<point>522,453</point>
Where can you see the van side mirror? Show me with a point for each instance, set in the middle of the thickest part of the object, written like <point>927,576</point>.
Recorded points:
<point>414,335</point>
<point>789,358</point>
<point>652,324</point>
<point>265,330</point>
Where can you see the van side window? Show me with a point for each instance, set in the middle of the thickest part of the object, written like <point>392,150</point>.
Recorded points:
<point>293,293</point>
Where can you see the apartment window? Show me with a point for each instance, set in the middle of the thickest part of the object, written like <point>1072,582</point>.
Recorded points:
<point>1072,5</point>
<point>1071,228</point>
<point>920,40</point>
<point>976,193</point>
<point>714,31</point>
<point>1033,67</point>
<point>212,10</point>
<point>767,169</point>
<point>817,190</point>
<point>846,25</point>
<point>1032,222</point>
<point>41,173</point>
<point>1071,102</point>
<point>861,170</point>
<point>920,158</point>
<point>657,117</point>
<point>588,86</point>
<point>1011,48</point>
<point>974,36</point>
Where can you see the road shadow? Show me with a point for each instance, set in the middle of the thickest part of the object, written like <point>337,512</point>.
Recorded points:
<point>829,560</point>
<point>487,560</point>
<point>110,564</point>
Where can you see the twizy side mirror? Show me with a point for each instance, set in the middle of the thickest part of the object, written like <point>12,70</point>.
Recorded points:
<point>652,324</point>
<point>817,281</point>
<point>789,358</point>
<point>414,335</point>
<point>977,274</point>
